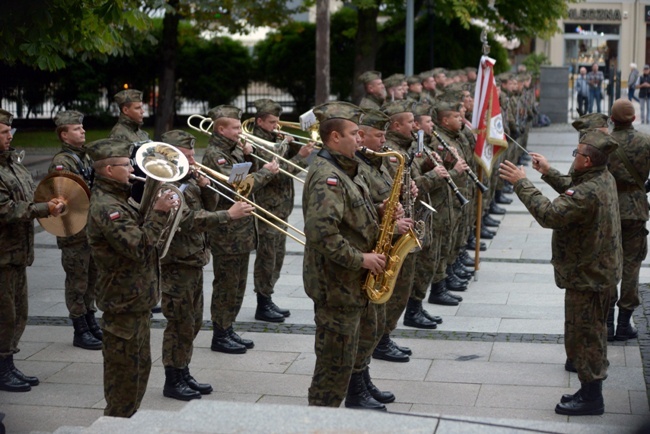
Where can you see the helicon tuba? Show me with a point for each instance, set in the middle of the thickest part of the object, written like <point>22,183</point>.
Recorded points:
<point>162,163</point>
<point>379,288</point>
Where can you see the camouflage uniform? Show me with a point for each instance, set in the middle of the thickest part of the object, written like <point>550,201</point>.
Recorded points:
<point>340,225</point>
<point>230,243</point>
<point>633,205</point>
<point>122,243</point>
<point>129,130</point>
<point>586,257</point>
<point>80,271</point>
<point>17,212</point>
<point>371,102</point>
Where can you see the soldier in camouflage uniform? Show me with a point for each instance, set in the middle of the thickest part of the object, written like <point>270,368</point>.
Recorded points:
<point>414,92</point>
<point>182,273</point>
<point>587,254</point>
<point>123,245</point>
<point>394,87</point>
<point>231,243</point>
<point>341,228</point>
<point>374,88</point>
<point>80,271</point>
<point>17,212</point>
<point>428,87</point>
<point>630,165</point>
<point>277,198</point>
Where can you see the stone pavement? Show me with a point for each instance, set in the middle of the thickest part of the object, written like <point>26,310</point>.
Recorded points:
<point>499,355</point>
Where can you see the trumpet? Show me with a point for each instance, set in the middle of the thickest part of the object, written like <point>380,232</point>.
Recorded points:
<point>222,181</point>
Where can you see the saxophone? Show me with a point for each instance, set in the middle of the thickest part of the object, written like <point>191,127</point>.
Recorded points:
<point>379,288</point>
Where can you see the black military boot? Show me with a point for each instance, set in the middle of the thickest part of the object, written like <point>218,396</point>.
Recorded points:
<point>32,381</point>
<point>383,397</point>
<point>440,295</point>
<point>507,188</point>
<point>413,316</point>
<point>222,342</point>
<point>435,318</point>
<point>202,388</point>
<point>471,243</point>
<point>496,209</point>
<point>284,312</point>
<point>82,336</point>
<point>176,387</point>
<point>625,330</point>
<point>466,259</point>
<point>501,198</point>
<point>359,397</point>
<point>461,271</point>
<point>386,351</point>
<point>568,366</point>
<point>265,311</point>
<point>8,381</point>
<point>487,234</point>
<point>241,341</point>
<point>453,282</point>
<point>589,401</point>
<point>93,326</point>
<point>490,222</point>
<point>402,348</point>
<point>610,323</point>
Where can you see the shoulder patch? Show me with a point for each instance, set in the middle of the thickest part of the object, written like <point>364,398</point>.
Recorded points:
<point>333,181</point>
<point>569,192</point>
<point>221,161</point>
<point>393,159</point>
<point>114,215</point>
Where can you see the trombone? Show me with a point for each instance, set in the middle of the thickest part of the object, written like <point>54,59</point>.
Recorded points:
<point>247,127</point>
<point>222,180</point>
<point>206,123</point>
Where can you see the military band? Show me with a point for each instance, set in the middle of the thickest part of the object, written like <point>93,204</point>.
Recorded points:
<point>423,119</point>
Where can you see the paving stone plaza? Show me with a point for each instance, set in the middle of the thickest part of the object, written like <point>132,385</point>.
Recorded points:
<point>496,364</point>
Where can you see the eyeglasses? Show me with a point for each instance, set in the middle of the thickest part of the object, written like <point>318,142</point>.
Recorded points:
<point>575,152</point>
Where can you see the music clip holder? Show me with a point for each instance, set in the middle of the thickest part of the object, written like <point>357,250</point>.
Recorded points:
<point>239,172</point>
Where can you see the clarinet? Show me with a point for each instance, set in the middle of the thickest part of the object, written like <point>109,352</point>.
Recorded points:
<point>470,172</point>
<point>450,182</point>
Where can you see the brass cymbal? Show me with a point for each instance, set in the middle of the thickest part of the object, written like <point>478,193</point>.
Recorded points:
<point>74,191</point>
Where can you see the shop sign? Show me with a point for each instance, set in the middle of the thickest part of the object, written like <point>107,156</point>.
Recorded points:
<point>596,14</point>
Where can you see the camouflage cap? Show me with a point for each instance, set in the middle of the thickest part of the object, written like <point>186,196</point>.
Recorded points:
<point>179,138</point>
<point>396,107</point>
<point>413,79</point>
<point>436,71</point>
<point>6,117</point>
<point>266,106</point>
<point>369,76</point>
<point>590,121</point>
<point>447,106</point>
<point>422,109</point>
<point>622,111</point>
<point>394,80</point>
<point>469,69</point>
<point>224,111</point>
<point>70,117</point>
<point>425,74</point>
<point>503,77</point>
<point>338,110</point>
<point>375,119</point>
<point>109,148</point>
<point>599,140</point>
<point>127,96</point>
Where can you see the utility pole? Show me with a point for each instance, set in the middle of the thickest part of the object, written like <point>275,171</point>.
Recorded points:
<point>322,51</point>
<point>408,58</point>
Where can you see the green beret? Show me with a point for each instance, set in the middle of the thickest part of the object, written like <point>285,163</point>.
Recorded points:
<point>179,138</point>
<point>396,107</point>
<point>623,111</point>
<point>375,119</point>
<point>224,111</point>
<point>422,109</point>
<point>267,106</point>
<point>338,110</point>
<point>109,148</point>
<point>599,140</point>
<point>394,80</point>
<point>6,117</point>
<point>70,117</point>
<point>127,96</point>
<point>369,76</point>
<point>414,79</point>
<point>590,121</point>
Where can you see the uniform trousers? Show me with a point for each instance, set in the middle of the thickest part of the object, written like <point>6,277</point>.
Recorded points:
<point>426,263</point>
<point>13,308</point>
<point>270,252</point>
<point>635,249</point>
<point>401,292</point>
<point>371,328</point>
<point>335,346</point>
<point>228,287</point>
<point>80,277</point>
<point>585,332</point>
<point>182,305</point>
<point>127,361</point>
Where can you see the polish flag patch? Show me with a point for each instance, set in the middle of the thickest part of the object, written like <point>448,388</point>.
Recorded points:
<point>569,192</point>
<point>393,159</point>
<point>221,161</point>
<point>59,167</point>
<point>441,148</point>
<point>333,181</point>
<point>114,215</point>
<point>418,154</point>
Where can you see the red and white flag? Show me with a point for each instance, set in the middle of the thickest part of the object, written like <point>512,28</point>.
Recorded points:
<point>487,121</point>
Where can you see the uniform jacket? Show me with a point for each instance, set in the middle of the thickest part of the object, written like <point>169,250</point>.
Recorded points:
<point>122,243</point>
<point>341,223</point>
<point>586,227</point>
<point>17,211</point>
<point>371,101</point>
<point>129,130</point>
<point>64,161</point>
<point>236,236</point>
<point>632,200</point>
